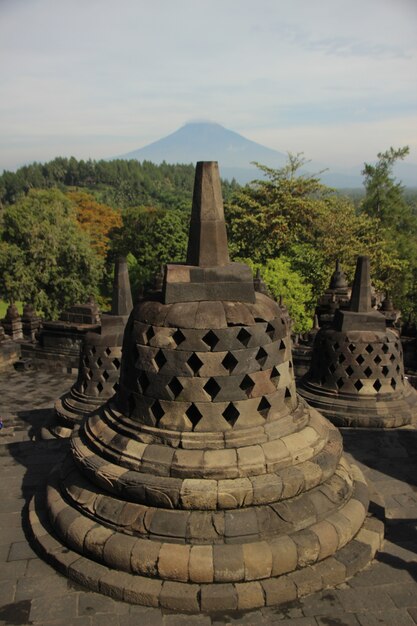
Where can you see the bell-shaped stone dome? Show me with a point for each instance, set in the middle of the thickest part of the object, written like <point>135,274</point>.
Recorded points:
<point>206,484</point>
<point>100,360</point>
<point>356,377</point>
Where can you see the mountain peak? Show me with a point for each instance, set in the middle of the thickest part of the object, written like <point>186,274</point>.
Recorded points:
<point>203,140</point>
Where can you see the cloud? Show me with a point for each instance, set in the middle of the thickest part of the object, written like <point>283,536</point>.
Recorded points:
<point>133,71</point>
<point>342,145</point>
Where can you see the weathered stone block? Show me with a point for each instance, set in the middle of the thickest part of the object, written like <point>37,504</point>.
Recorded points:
<point>251,460</point>
<point>354,556</point>
<point>199,494</point>
<point>258,560</point>
<point>220,597</point>
<point>266,488</point>
<point>179,597</point>
<point>241,523</point>
<point>234,493</point>
<point>201,566</point>
<point>169,523</point>
<point>284,555</point>
<point>117,551</point>
<point>306,580</point>
<point>95,541</point>
<point>327,537</point>
<point>249,596</point>
<point>173,562</point>
<point>228,563</point>
<point>77,531</point>
<point>332,572</point>
<point>141,590</point>
<point>220,464</point>
<point>308,547</point>
<point>279,590</point>
<point>144,557</point>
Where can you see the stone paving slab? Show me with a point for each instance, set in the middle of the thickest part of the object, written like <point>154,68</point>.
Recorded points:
<point>31,592</point>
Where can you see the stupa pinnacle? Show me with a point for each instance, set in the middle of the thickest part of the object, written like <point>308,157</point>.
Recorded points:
<point>360,300</point>
<point>206,483</point>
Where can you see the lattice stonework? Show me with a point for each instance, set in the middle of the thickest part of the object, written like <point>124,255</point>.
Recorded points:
<point>97,381</point>
<point>364,367</point>
<point>99,373</point>
<point>357,378</point>
<point>243,370</point>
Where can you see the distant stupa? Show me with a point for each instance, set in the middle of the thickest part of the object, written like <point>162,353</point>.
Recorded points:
<point>356,377</point>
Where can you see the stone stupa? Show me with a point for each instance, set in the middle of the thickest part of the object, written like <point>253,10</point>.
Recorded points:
<point>356,377</point>
<point>336,296</point>
<point>206,483</point>
<point>100,359</point>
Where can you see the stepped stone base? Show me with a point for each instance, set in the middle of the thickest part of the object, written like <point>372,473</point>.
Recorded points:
<point>97,380</point>
<point>278,545</point>
<point>203,597</point>
<point>347,410</point>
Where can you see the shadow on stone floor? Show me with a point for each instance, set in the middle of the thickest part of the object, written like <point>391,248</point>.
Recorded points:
<point>35,419</point>
<point>36,456</point>
<point>392,453</point>
<point>16,613</point>
<point>386,455</point>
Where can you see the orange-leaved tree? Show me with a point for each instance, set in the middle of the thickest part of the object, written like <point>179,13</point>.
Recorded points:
<point>95,218</point>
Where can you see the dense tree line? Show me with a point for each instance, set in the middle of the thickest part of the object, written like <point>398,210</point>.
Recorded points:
<point>119,183</point>
<point>63,223</point>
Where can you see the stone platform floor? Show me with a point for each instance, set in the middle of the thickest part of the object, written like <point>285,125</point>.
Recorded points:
<point>31,592</point>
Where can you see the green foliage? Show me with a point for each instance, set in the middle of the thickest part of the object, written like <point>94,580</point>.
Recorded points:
<point>395,219</point>
<point>4,306</point>
<point>296,218</point>
<point>153,237</point>
<point>45,257</point>
<point>283,281</point>
<point>384,197</point>
<point>119,183</point>
<point>310,224</point>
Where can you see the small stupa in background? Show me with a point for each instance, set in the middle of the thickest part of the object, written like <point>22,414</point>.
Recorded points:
<point>336,296</point>
<point>356,377</point>
<point>100,359</point>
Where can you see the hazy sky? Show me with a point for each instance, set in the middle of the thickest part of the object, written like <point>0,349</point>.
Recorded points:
<point>336,79</point>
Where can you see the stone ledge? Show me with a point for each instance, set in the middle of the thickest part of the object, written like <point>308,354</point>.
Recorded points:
<point>176,492</point>
<point>194,598</point>
<point>252,556</point>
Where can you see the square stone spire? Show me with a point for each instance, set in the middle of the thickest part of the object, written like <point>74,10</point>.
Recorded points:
<point>361,315</point>
<point>122,296</point>
<point>207,242</point>
<point>208,273</point>
<point>360,300</point>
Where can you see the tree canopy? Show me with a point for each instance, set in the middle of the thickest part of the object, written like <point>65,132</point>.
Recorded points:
<point>294,217</point>
<point>395,219</point>
<point>96,219</point>
<point>119,183</point>
<point>55,247</point>
<point>45,257</point>
<point>153,237</point>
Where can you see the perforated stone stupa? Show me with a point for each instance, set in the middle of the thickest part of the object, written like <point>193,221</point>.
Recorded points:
<point>336,296</point>
<point>100,359</point>
<point>356,377</point>
<point>206,484</point>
